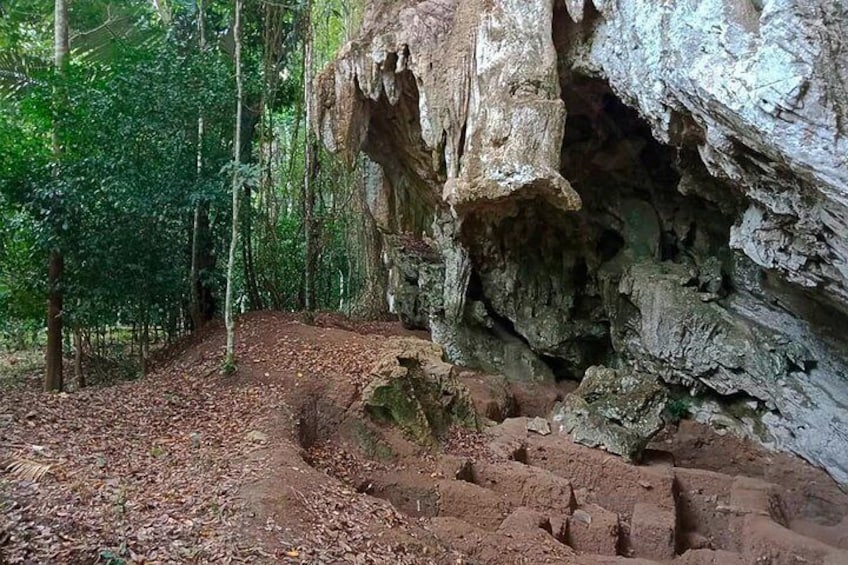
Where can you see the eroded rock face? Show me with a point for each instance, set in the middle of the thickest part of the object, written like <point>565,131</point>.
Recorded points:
<point>659,186</point>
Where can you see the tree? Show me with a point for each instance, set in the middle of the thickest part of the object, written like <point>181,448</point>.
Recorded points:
<point>230,360</point>
<point>129,192</point>
<point>53,374</point>
<point>201,220</point>
<point>309,169</point>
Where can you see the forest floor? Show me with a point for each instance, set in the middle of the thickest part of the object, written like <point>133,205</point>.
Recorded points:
<point>189,466</point>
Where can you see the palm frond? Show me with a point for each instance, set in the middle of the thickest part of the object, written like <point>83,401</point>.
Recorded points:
<point>123,25</point>
<point>19,71</point>
<point>26,470</point>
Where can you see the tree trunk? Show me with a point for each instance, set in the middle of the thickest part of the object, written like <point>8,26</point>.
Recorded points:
<point>372,302</point>
<point>310,166</point>
<point>56,267</point>
<point>78,373</point>
<point>201,218</point>
<point>145,346</point>
<point>53,378</point>
<point>196,286</point>
<point>141,347</point>
<point>229,361</point>
<point>253,296</point>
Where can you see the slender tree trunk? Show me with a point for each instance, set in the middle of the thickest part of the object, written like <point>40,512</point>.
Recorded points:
<point>309,168</point>
<point>229,362</point>
<point>196,286</point>
<point>53,379</point>
<point>250,119</point>
<point>56,267</point>
<point>78,373</point>
<point>196,290</point>
<point>145,345</point>
<point>253,296</point>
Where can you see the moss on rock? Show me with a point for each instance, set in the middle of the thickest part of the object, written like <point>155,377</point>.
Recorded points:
<point>415,390</point>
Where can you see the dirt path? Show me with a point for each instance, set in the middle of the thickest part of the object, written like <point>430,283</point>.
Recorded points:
<point>274,465</point>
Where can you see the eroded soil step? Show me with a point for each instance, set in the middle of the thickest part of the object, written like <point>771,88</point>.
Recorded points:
<point>596,476</point>
<point>664,513</point>
<point>523,538</point>
<point>529,498</point>
<point>765,541</point>
<point>524,485</point>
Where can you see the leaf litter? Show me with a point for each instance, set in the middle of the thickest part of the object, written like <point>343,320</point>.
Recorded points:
<point>188,466</point>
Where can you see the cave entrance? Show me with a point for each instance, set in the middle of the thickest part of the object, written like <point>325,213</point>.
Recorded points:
<point>607,143</point>
<point>394,140</point>
<point>630,182</point>
<point>541,274</point>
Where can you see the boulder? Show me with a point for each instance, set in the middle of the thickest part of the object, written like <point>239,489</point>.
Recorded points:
<point>414,389</point>
<point>619,411</point>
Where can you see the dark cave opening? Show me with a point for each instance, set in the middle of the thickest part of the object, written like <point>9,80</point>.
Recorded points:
<point>629,182</point>
<point>533,271</point>
<point>538,270</point>
<point>500,326</point>
<point>609,244</point>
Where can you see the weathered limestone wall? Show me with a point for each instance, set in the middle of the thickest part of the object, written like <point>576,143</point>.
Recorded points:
<point>651,186</point>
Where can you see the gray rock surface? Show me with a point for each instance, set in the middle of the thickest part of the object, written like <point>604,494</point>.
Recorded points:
<point>659,186</point>
<point>539,425</point>
<point>619,411</point>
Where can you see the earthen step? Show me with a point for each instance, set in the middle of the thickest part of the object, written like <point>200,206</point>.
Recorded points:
<point>699,496</point>
<point>592,529</point>
<point>754,496</point>
<point>607,479</point>
<point>474,504</point>
<point>518,542</point>
<point>709,557</point>
<point>526,520</point>
<point>415,494</point>
<point>766,541</point>
<point>652,532</point>
<point>835,535</point>
<point>524,485</point>
<point>713,506</point>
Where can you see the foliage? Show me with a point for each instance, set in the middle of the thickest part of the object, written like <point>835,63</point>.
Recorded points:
<point>228,367</point>
<point>678,409</point>
<point>26,469</point>
<point>107,557</point>
<point>121,200</point>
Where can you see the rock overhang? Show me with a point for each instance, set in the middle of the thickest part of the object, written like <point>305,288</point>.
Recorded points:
<point>745,97</point>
